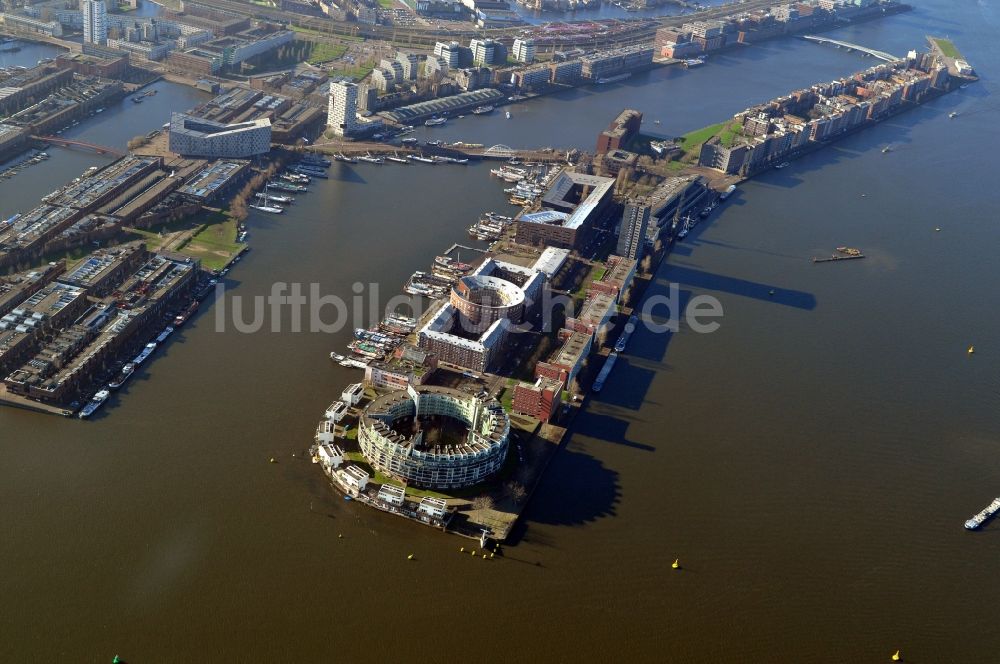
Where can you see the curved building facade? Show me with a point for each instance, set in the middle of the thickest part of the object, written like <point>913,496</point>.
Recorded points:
<point>436,465</point>
<point>483,300</point>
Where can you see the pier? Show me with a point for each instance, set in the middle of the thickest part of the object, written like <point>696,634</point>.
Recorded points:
<point>830,259</point>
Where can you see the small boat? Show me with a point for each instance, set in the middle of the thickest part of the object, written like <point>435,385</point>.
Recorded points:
<point>676,564</point>
<point>507,113</point>
<point>482,110</point>
<point>972,349</point>
<point>694,62</point>
<point>433,144</point>
<point>409,141</point>
<point>728,192</point>
<point>371,160</point>
<point>896,656</point>
<point>95,402</point>
<point>422,159</point>
<point>435,122</point>
<point>887,148</point>
<point>122,376</point>
<point>337,357</point>
<point>397,159</point>
<point>167,331</point>
<point>144,355</point>
<point>953,114</point>
<point>783,164</point>
<point>268,208</point>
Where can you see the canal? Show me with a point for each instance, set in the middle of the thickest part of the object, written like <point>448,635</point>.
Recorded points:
<point>811,463</point>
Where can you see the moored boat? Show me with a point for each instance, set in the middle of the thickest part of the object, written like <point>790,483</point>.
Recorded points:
<point>95,402</point>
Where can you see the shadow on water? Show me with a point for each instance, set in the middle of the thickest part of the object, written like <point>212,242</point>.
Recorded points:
<point>577,488</point>
<point>687,276</point>
<point>342,172</point>
<point>629,383</point>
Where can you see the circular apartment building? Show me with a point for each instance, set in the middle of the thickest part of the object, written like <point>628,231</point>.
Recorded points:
<point>435,437</point>
<point>482,300</point>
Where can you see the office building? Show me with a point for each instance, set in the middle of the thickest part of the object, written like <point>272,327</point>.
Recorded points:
<point>524,50</point>
<point>95,21</point>
<point>632,233</point>
<point>197,137</point>
<point>342,114</point>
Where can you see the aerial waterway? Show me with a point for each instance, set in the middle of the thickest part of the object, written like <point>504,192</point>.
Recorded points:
<point>811,463</point>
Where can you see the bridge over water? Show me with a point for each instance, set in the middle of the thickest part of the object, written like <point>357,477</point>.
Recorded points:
<point>70,143</point>
<point>881,55</point>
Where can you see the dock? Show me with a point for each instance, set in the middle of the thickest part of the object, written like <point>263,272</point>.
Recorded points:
<point>457,246</point>
<point>830,259</point>
<point>975,522</point>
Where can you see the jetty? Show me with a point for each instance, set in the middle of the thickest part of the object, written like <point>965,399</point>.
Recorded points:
<point>835,257</point>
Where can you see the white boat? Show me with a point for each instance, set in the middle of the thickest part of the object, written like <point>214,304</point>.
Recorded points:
<point>397,159</point>
<point>694,62</point>
<point>435,122</point>
<point>167,331</point>
<point>422,159</point>
<point>783,164</point>
<point>95,402</point>
<point>337,357</point>
<point>268,208</point>
<point>507,113</point>
<point>728,192</point>
<point>146,352</point>
<point>371,160</point>
<point>604,80</point>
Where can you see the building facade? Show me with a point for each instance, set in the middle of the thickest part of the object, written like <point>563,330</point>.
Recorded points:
<point>342,113</point>
<point>95,21</point>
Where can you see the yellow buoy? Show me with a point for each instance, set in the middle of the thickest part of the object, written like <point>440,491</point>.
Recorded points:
<point>410,557</point>
<point>896,657</point>
<point>972,349</point>
<point>676,564</point>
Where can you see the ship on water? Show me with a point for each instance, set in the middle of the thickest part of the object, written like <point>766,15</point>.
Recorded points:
<point>604,80</point>
<point>483,110</point>
<point>95,402</point>
<point>609,364</point>
<point>435,122</point>
<point>122,376</point>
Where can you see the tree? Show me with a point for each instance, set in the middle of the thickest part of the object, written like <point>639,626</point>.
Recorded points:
<point>516,491</point>
<point>482,502</point>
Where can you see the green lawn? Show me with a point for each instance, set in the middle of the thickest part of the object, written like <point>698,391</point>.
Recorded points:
<point>694,139</point>
<point>947,47</point>
<point>325,52</point>
<point>387,4</point>
<point>215,244</point>
<point>691,142</point>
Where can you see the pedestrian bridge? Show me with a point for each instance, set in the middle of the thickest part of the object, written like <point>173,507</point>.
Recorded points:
<point>69,143</point>
<point>881,55</point>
